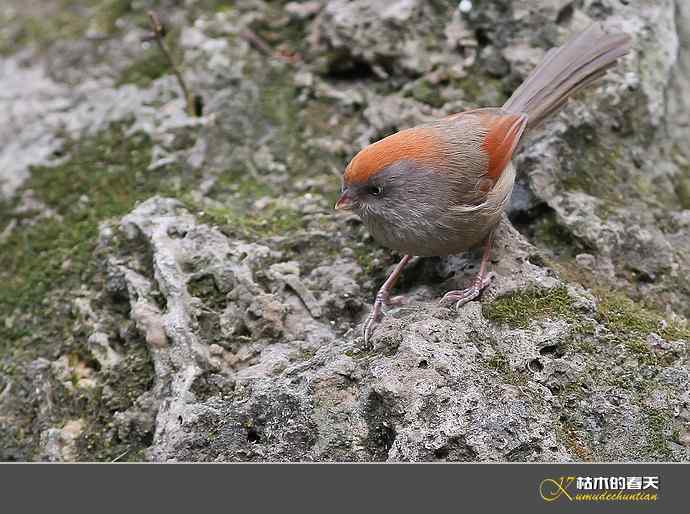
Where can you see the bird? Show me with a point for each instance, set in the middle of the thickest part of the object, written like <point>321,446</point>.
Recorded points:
<point>440,188</point>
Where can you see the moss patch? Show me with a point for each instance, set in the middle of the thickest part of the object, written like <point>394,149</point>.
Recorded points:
<point>658,423</point>
<point>519,308</point>
<point>278,106</point>
<point>271,221</point>
<point>152,63</point>
<point>628,321</point>
<point>117,392</point>
<point>631,323</point>
<point>551,234</point>
<point>595,171</point>
<point>49,260</point>
<point>425,92</point>
<point>681,182</point>
<point>480,89</point>
<point>142,72</point>
<point>372,259</point>
<point>682,188</point>
<point>62,20</point>
<point>103,177</point>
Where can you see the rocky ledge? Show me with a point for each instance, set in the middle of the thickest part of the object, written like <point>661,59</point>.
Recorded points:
<point>177,287</point>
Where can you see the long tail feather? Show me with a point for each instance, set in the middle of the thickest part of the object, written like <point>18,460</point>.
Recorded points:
<point>566,70</point>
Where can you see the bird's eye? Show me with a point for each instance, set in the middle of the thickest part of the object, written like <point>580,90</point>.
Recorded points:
<point>375,190</point>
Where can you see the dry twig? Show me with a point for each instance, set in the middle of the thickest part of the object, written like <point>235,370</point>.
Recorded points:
<point>158,36</point>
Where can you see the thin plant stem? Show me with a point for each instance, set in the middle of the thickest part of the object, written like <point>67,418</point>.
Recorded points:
<point>158,37</point>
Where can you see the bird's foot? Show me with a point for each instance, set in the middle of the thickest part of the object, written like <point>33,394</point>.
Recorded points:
<point>382,298</point>
<point>461,297</point>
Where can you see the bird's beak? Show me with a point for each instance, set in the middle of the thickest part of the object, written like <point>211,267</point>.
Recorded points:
<point>345,201</point>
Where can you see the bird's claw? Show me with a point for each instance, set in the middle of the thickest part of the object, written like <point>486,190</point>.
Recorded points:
<point>460,297</point>
<point>369,325</point>
<point>377,312</point>
<point>373,320</point>
<point>463,296</point>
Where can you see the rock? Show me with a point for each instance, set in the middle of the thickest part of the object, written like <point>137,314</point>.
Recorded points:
<point>179,288</point>
<point>617,210</point>
<point>59,444</point>
<point>390,36</point>
<point>429,389</point>
<point>101,349</point>
<point>41,112</point>
<point>302,10</point>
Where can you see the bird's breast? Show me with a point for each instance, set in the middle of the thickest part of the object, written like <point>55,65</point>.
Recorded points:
<point>443,227</point>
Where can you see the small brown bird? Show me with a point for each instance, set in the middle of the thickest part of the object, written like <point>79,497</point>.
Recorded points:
<point>440,188</point>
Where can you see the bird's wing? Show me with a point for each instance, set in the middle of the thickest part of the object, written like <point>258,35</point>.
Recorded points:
<point>480,144</point>
<point>503,132</point>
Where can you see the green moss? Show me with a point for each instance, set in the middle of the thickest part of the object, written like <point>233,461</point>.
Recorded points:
<point>682,179</point>
<point>280,123</point>
<point>152,64</point>
<point>45,262</point>
<point>632,322</point>
<point>604,210</point>
<point>658,424</point>
<point>236,191</point>
<point>551,234</point>
<point>682,188</point>
<point>519,308</point>
<point>103,177</point>
<point>427,93</point>
<point>369,258</point>
<point>149,67</point>
<point>590,166</point>
<point>618,291</point>
<point>620,314</point>
<point>471,87</point>
<point>271,221</point>
<point>242,185</point>
<point>205,287</point>
<point>278,106</point>
<point>628,322</point>
<point>126,382</point>
<point>480,89</point>
<point>583,341</point>
<point>64,20</point>
<point>104,14</point>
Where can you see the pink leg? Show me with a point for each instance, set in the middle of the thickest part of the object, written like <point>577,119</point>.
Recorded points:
<point>482,280</point>
<point>383,298</point>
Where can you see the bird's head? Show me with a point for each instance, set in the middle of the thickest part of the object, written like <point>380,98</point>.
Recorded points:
<point>388,176</point>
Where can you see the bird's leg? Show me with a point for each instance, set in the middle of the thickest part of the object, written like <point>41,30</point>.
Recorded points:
<point>383,298</point>
<point>482,280</point>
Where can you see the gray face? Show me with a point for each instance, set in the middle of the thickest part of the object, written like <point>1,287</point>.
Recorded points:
<point>405,207</point>
<point>399,187</point>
